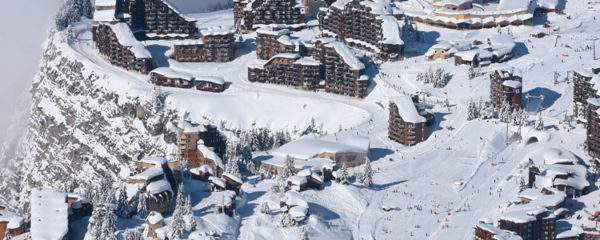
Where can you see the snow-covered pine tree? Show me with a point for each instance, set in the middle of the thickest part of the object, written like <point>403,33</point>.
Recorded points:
<point>95,222</point>
<point>264,208</point>
<point>285,220</point>
<point>109,225</point>
<point>522,184</point>
<point>505,111</point>
<point>471,73</point>
<point>288,168</point>
<point>122,203</point>
<point>279,185</point>
<point>368,174</point>
<point>157,99</point>
<point>133,234</point>
<point>420,77</point>
<point>344,174</point>
<point>539,124</point>
<point>189,214</point>
<point>143,208</point>
<point>304,234</point>
<point>471,111</point>
<point>176,228</point>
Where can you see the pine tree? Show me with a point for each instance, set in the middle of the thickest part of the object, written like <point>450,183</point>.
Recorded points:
<point>143,208</point>
<point>368,174</point>
<point>285,220</point>
<point>177,227</point>
<point>288,168</point>
<point>95,223</point>
<point>264,208</point>
<point>189,213</point>
<point>539,124</point>
<point>472,111</point>
<point>122,203</point>
<point>344,174</point>
<point>304,234</point>
<point>109,225</point>
<point>133,234</point>
<point>471,73</point>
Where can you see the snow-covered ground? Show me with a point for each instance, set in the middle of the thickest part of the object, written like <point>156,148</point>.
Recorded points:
<point>439,188</point>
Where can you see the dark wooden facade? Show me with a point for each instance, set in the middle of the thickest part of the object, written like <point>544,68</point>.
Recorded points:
<point>119,55</point>
<point>188,147</point>
<point>357,25</point>
<point>500,91</point>
<point>217,47</point>
<point>540,228</point>
<point>268,43</point>
<point>407,133</point>
<point>342,78</point>
<point>265,12</point>
<point>287,69</point>
<point>161,20</point>
<point>166,81</point>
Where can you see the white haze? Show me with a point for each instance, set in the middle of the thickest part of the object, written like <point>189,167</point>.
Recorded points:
<point>23,29</point>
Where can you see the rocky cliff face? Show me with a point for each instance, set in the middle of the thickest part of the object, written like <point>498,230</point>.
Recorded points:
<point>78,130</point>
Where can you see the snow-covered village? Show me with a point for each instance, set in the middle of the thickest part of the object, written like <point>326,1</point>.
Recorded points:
<point>309,119</point>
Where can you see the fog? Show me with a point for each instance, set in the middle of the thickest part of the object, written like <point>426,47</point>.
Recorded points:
<point>23,29</point>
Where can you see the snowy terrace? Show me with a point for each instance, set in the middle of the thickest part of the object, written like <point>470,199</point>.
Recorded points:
<point>49,214</point>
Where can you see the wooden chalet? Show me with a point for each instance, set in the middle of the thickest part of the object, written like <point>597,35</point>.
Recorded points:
<point>216,45</point>
<point>160,19</point>
<point>233,182</point>
<point>11,223</point>
<point>210,83</point>
<point>406,124</point>
<point>506,85</point>
<point>370,25</point>
<point>168,77</point>
<point>154,222</point>
<point>217,184</point>
<point>227,203</point>
<point>197,145</point>
<point>247,14</point>
<point>117,43</point>
<point>287,69</point>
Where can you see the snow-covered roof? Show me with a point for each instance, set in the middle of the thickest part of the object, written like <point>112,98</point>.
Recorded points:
<point>547,4</point>
<point>233,177</point>
<point>49,214</point>
<point>315,164</point>
<point>188,42</point>
<point>559,155</point>
<point>378,7</point>
<point>407,109</point>
<point>451,2</point>
<point>574,232</point>
<point>203,169</point>
<point>298,213</point>
<point>297,180</point>
<point>207,153</point>
<point>159,186</point>
<point>498,234</point>
<point>155,160</point>
<point>271,31</point>
<point>12,219</point>
<point>512,84</point>
<point>107,15</point>
<point>572,175</point>
<point>212,79</point>
<point>105,3</point>
<point>217,181</point>
<point>506,72</point>
<point>498,41</point>
<point>187,127</point>
<point>538,198</point>
<point>390,30</point>
<point>522,215</point>
<point>308,61</point>
<point>149,173</point>
<point>594,101</point>
<point>154,217</point>
<point>218,30</point>
<point>467,55</point>
<point>309,146</point>
<point>176,10</point>
<point>290,41</point>
<point>340,4</point>
<point>293,198</point>
<point>126,38</point>
<point>513,4</point>
<point>170,73</point>
<point>347,54</point>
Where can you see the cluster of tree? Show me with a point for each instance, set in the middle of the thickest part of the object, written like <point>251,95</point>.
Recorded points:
<point>366,177</point>
<point>438,77</point>
<point>183,216</point>
<point>103,222</point>
<point>238,156</point>
<point>72,11</point>
<point>410,32</point>
<point>474,72</point>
